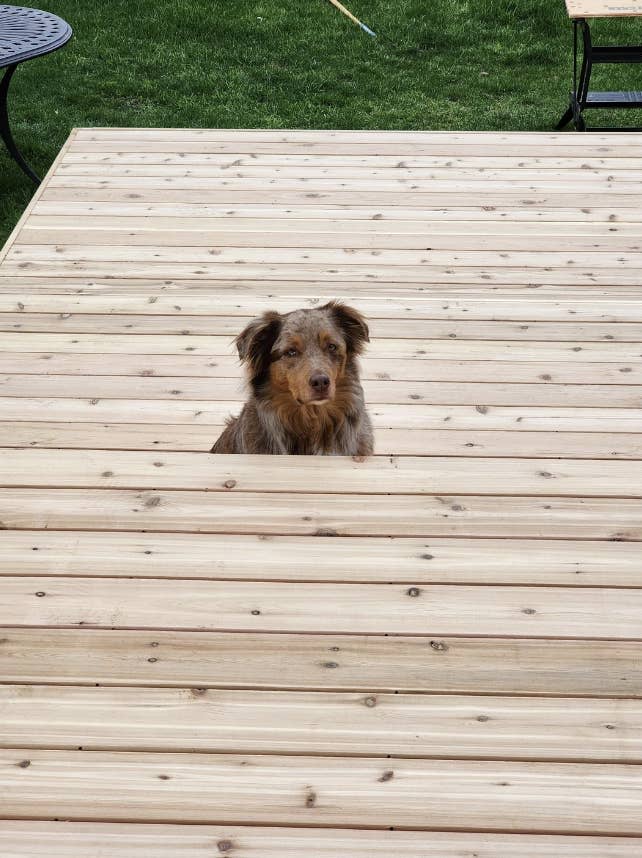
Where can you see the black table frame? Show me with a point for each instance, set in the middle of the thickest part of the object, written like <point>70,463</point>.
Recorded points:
<point>584,99</point>
<point>5,128</point>
<point>28,45</point>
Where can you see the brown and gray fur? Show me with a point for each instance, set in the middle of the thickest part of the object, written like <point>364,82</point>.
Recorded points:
<point>306,397</point>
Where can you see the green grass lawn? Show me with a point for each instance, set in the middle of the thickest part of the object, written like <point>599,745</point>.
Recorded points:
<point>443,64</point>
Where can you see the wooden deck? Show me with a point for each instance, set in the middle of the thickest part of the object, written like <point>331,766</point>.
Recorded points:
<point>436,653</point>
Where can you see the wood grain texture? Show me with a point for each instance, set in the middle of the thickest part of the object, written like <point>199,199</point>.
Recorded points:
<point>316,558</point>
<point>321,723</point>
<point>121,840</point>
<point>425,794</point>
<point>366,663</point>
<point>403,475</point>
<point>321,608</point>
<point>296,514</point>
<point>286,653</point>
<point>389,442</point>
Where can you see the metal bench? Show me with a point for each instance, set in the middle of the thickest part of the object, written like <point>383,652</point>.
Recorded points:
<point>24,34</point>
<point>582,98</point>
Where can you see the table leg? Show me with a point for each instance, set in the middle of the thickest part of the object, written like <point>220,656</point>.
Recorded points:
<point>580,84</point>
<point>5,129</point>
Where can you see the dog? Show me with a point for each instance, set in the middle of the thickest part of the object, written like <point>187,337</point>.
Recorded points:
<point>306,397</point>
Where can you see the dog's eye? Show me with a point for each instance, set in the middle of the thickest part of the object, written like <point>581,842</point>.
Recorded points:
<point>332,347</point>
<point>291,353</point>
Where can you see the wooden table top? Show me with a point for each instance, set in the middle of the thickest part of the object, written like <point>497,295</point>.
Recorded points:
<point>290,652</point>
<point>603,8</point>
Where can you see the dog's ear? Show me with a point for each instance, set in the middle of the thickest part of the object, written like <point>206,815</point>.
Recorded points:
<point>352,323</point>
<point>255,342</point>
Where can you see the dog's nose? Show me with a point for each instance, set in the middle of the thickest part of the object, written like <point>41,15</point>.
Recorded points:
<point>319,382</point>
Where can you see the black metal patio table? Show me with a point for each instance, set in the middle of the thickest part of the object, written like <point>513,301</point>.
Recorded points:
<point>582,98</point>
<point>25,34</point>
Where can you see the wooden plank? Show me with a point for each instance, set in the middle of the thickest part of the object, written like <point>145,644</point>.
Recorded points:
<point>388,442</point>
<point>334,224</point>
<point>134,297</point>
<point>354,559</point>
<point>319,515</point>
<point>179,323</point>
<point>160,255</point>
<point>613,187</point>
<point>300,190</point>
<point>20,839</point>
<point>456,211</point>
<point>376,391</point>
<point>571,174</point>
<point>608,352</point>
<point>383,369</point>
<point>305,197</point>
<point>425,794</point>
<point>406,475</point>
<point>315,273</point>
<point>471,161</point>
<point>391,416</point>
<point>382,609</point>
<point>552,199</point>
<point>516,139</point>
<point>410,725</point>
<point>603,8</point>
<point>320,239</point>
<point>372,664</point>
<point>626,148</point>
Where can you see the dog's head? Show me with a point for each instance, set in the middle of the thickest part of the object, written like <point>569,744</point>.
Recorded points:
<point>305,353</point>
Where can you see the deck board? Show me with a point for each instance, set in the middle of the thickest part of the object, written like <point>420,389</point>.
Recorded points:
<point>273,656</point>
<point>77,840</point>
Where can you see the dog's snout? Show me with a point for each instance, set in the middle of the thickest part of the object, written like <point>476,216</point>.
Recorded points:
<point>319,382</point>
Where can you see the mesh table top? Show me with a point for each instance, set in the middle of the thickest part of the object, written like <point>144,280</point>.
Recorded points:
<point>26,33</point>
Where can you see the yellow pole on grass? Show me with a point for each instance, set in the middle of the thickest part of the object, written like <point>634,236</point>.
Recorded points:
<point>349,15</point>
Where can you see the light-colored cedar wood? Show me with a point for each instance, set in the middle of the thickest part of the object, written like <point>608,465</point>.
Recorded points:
<point>603,8</point>
<point>462,147</point>
<point>377,369</point>
<point>345,256</point>
<point>321,723</point>
<point>360,240</point>
<point>179,323</point>
<point>518,140</point>
<point>322,608</point>
<point>471,161</point>
<point>465,196</point>
<point>388,442</point>
<point>404,475</point>
<point>311,275</point>
<point>353,559</point>
<point>376,391</point>
<point>341,170</point>
<point>20,839</point>
<point>325,514</point>
<point>524,213</point>
<point>424,794</point>
<point>583,305</point>
<point>297,514</point>
<point>369,663</point>
<point>151,344</point>
<point>389,188</point>
<point>325,609</point>
<point>384,416</point>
